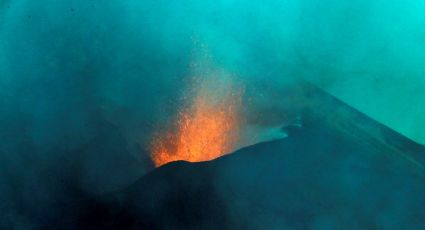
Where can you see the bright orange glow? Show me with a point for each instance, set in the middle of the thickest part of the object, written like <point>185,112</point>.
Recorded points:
<point>206,129</point>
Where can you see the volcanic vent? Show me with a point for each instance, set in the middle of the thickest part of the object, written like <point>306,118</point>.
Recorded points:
<point>207,125</point>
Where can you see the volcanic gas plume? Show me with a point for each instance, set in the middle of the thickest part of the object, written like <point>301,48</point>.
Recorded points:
<point>207,125</point>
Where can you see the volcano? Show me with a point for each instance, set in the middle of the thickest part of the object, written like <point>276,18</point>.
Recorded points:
<point>336,169</point>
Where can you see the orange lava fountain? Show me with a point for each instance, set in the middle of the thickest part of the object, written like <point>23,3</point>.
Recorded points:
<point>206,129</point>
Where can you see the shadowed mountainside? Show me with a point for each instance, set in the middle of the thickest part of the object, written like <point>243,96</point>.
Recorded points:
<point>338,169</point>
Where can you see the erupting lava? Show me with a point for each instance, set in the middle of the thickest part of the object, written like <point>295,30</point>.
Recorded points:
<point>206,128</point>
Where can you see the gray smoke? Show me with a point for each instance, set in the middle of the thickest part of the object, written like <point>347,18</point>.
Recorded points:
<point>84,84</point>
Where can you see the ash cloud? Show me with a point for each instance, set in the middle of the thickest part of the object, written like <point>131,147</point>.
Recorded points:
<point>86,80</point>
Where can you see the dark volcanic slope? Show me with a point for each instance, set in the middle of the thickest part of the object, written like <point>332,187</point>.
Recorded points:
<point>315,179</point>
<point>340,170</point>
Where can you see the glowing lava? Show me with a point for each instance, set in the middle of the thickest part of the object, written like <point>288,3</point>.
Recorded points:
<point>205,129</point>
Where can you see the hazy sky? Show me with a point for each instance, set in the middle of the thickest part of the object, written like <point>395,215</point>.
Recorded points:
<point>368,53</point>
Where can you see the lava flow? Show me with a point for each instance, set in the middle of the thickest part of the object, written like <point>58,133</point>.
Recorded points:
<point>206,128</point>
